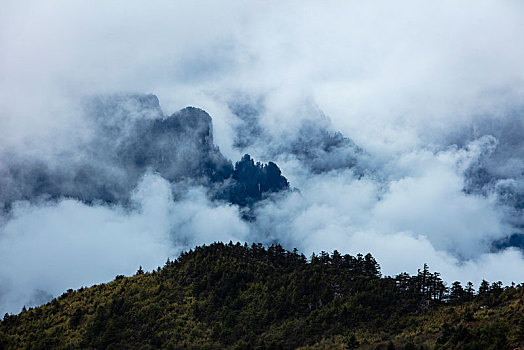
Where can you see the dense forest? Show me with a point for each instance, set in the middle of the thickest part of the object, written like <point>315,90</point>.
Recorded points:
<point>255,297</point>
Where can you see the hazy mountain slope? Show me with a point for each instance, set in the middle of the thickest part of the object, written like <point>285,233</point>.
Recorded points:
<point>128,136</point>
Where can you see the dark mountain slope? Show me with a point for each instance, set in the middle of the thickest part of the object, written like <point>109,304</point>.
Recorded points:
<point>234,296</point>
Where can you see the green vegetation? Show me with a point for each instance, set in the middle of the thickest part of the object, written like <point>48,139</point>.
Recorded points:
<point>240,297</point>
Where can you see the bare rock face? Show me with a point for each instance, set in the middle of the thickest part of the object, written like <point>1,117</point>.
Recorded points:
<point>179,146</point>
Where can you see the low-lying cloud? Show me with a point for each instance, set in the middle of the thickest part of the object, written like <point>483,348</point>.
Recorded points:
<point>53,246</point>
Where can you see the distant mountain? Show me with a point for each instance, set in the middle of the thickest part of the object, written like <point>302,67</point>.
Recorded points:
<point>313,143</point>
<point>515,240</point>
<point>231,296</point>
<point>499,171</point>
<point>130,136</point>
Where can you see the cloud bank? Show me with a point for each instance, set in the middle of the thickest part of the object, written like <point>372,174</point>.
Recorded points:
<point>400,124</point>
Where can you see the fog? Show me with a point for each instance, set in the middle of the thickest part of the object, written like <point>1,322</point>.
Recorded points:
<point>399,126</point>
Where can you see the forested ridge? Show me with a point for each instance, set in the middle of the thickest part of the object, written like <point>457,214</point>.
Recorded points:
<point>243,297</point>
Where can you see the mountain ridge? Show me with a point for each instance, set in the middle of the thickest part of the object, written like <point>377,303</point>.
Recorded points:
<point>134,136</point>
<point>242,297</point>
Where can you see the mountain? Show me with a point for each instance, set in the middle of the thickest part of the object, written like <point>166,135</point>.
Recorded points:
<point>125,136</point>
<point>318,148</point>
<point>129,136</point>
<point>240,297</point>
<point>496,170</point>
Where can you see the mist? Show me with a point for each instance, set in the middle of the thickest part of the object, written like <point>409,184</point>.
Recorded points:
<point>398,126</point>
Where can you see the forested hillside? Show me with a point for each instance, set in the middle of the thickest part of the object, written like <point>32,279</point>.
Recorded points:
<point>241,297</point>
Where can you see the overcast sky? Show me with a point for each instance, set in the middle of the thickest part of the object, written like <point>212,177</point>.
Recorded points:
<point>401,79</point>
